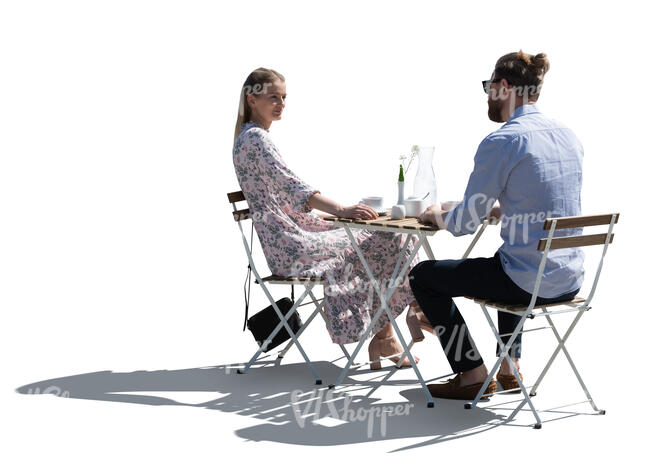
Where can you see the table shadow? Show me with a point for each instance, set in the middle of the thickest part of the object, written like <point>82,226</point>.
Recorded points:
<point>280,396</point>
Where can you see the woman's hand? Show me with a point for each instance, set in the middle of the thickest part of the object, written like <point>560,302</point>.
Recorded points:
<point>360,211</point>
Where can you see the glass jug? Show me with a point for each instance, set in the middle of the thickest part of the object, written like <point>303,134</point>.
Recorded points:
<point>425,178</point>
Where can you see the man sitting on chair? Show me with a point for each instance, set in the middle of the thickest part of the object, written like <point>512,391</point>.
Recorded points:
<point>533,166</point>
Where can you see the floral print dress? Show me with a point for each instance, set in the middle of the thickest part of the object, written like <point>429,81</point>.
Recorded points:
<point>297,242</point>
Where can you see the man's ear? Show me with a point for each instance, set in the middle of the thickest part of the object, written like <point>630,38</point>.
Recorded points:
<point>504,88</point>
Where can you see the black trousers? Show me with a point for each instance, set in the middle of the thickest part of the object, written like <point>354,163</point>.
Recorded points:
<point>436,282</point>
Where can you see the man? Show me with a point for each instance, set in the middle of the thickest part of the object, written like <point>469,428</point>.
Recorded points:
<point>533,166</point>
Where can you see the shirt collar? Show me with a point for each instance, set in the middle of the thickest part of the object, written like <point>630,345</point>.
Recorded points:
<point>254,124</point>
<point>524,109</point>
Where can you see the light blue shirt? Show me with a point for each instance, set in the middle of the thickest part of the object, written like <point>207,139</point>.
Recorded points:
<point>533,166</point>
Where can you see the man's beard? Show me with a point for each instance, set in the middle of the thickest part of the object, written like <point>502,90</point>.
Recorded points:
<point>494,110</point>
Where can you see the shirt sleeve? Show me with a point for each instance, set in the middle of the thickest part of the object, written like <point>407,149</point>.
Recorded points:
<point>289,187</point>
<point>485,184</point>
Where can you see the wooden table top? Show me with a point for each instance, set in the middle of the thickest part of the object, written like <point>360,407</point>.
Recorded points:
<point>387,223</point>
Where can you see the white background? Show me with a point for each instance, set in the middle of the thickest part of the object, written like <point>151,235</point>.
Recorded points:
<point>119,254</point>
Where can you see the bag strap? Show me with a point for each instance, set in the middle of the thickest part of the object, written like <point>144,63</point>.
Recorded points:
<point>247,283</point>
<point>247,286</point>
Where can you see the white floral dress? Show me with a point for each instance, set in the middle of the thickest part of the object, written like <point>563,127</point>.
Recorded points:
<point>297,242</point>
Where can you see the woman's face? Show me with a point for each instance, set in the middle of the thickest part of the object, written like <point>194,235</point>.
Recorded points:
<point>268,105</point>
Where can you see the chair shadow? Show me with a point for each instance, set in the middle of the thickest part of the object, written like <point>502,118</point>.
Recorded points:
<point>292,408</point>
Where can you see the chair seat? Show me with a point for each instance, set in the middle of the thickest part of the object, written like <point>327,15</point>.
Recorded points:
<point>523,307</point>
<point>276,279</point>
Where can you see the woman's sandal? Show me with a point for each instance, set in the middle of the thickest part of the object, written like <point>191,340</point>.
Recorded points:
<point>417,322</point>
<point>375,351</point>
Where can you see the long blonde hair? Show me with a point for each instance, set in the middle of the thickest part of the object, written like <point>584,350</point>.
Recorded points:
<point>255,83</point>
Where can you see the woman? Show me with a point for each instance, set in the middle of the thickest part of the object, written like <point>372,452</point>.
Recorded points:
<point>297,242</point>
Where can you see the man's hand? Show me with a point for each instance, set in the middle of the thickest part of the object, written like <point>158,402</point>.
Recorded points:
<point>495,214</point>
<point>433,215</point>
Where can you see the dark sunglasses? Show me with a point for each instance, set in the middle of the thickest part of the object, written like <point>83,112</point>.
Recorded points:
<point>486,84</point>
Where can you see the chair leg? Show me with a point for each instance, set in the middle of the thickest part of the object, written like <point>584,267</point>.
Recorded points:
<point>356,350</point>
<point>403,356</point>
<point>556,351</point>
<point>262,348</point>
<point>327,325</point>
<point>561,344</point>
<point>283,322</point>
<point>345,352</point>
<point>505,354</point>
<point>284,351</point>
<point>300,331</point>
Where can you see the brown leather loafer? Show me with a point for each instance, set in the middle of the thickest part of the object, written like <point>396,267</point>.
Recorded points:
<point>453,390</point>
<point>509,382</point>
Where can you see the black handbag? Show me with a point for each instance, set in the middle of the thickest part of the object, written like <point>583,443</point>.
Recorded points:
<point>262,323</point>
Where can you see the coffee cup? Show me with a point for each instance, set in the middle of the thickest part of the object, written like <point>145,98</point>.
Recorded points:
<point>375,203</point>
<point>414,207</point>
<point>448,206</point>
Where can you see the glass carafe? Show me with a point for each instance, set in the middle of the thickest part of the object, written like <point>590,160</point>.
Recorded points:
<point>425,178</point>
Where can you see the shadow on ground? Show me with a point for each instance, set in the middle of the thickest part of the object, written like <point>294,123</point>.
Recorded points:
<point>291,408</point>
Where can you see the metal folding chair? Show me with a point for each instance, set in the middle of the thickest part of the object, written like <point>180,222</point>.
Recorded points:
<point>307,283</point>
<point>578,305</point>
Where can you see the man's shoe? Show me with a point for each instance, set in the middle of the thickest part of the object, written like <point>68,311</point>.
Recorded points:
<point>453,390</point>
<point>509,382</point>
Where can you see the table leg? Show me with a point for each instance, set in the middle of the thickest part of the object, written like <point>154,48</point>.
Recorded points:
<point>425,245</point>
<point>384,298</point>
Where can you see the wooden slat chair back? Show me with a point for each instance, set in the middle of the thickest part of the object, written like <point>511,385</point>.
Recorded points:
<point>578,304</point>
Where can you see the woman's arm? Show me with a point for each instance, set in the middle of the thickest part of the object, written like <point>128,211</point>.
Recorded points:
<point>360,210</point>
<point>274,172</point>
<point>302,197</point>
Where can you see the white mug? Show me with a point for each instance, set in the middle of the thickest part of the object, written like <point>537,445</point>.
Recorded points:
<point>373,202</point>
<point>448,206</point>
<point>414,207</point>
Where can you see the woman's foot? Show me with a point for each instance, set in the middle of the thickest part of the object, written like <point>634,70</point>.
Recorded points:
<point>417,322</point>
<point>385,347</point>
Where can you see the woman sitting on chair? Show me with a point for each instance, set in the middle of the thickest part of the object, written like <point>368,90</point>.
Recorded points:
<point>297,242</point>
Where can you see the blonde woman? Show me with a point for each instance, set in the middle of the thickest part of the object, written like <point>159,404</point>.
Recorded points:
<point>297,242</point>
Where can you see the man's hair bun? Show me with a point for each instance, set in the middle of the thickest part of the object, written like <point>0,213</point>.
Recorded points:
<point>540,60</point>
<point>523,69</point>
